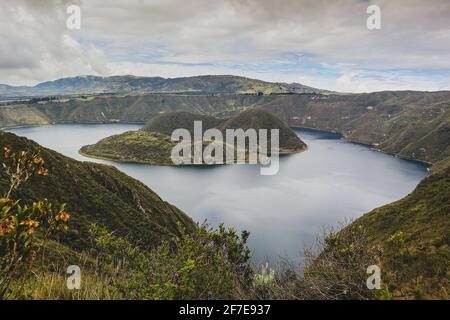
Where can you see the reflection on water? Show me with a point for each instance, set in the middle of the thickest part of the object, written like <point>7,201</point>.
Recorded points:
<point>330,182</point>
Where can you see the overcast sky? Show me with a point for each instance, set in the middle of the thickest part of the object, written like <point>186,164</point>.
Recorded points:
<point>324,44</point>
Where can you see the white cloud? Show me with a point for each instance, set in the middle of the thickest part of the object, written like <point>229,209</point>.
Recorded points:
<point>267,39</point>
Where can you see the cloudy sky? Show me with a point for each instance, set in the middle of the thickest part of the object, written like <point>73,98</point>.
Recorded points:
<point>324,44</point>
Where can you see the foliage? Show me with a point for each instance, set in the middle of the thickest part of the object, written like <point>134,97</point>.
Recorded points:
<point>207,264</point>
<point>414,234</point>
<point>19,224</point>
<point>98,194</point>
<point>335,269</point>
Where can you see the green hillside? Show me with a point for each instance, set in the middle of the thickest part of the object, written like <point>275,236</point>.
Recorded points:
<point>414,234</point>
<point>127,242</point>
<point>261,119</point>
<point>99,194</point>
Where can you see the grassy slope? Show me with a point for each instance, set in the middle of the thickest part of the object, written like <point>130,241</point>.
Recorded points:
<point>133,146</point>
<point>152,144</point>
<point>441,165</point>
<point>99,194</point>
<point>415,235</point>
<point>261,119</point>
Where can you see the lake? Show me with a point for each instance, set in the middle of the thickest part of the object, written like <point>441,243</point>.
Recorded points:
<point>332,181</point>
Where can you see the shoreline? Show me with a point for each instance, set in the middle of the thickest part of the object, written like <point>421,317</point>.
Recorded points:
<point>174,165</point>
<point>371,146</point>
<point>424,163</point>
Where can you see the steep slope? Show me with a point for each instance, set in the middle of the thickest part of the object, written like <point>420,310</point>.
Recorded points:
<point>414,234</point>
<point>441,165</point>
<point>153,145</point>
<point>257,118</point>
<point>99,194</point>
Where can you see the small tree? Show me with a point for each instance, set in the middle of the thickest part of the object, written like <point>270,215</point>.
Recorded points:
<point>23,228</point>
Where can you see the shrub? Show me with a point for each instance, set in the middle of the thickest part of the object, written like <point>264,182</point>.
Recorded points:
<point>334,270</point>
<point>208,264</point>
<point>23,228</point>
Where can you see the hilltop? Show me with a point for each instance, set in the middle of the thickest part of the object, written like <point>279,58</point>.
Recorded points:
<point>152,144</point>
<point>166,122</point>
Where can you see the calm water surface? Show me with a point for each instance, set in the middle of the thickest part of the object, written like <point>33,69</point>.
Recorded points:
<point>332,181</point>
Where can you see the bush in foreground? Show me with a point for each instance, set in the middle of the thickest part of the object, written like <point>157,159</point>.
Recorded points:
<point>208,264</point>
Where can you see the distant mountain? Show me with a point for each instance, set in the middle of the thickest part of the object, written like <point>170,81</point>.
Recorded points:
<point>12,90</point>
<point>134,84</point>
<point>152,144</point>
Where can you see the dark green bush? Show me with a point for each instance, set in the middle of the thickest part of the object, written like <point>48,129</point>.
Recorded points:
<point>207,264</point>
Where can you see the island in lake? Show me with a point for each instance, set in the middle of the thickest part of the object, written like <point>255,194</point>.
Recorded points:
<point>153,144</point>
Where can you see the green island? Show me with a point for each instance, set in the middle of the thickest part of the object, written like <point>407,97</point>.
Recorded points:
<point>153,145</point>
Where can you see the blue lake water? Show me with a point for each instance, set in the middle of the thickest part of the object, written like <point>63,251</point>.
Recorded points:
<point>332,181</point>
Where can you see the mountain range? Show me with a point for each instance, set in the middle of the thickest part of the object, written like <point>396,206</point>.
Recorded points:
<point>134,84</point>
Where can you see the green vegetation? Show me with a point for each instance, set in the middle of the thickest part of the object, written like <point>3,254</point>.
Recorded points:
<point>207,264</point>
<point>414,235</point>
<point>133,146</point>
<point>261,119</point>
<point>152,144</point>
<point>98,194</point>
<point>24,229</point>
<point>166,122</point>
<point>407,239</point>
<point>132,245</point>
<point>441,165</point>
<point>335,269</point>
